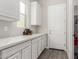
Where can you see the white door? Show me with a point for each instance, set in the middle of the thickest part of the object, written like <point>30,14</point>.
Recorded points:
<point>57,26</point>
<point>26,53</point>
<point>16,56</point>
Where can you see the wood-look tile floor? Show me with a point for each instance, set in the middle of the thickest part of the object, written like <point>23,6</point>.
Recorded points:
<point>53,54</point>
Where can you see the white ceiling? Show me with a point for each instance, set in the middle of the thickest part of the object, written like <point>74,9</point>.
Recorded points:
<point>50,2</point>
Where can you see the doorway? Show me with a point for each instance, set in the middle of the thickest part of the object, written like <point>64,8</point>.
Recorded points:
<point>57,26</point>
<point>76,32</point>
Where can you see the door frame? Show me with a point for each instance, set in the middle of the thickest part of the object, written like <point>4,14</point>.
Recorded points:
<point>62,5</point>
<point>70,28</point>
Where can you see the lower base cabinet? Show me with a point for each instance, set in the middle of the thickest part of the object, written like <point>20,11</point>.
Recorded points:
<point>34,49</point>
<point>15,56</point>
<point>39,46</point>
<point>26,53</point>
<point>27,50</point>
<point>43,42</point>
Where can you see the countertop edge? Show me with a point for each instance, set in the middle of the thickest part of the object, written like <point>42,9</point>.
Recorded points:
<point>20,42</point>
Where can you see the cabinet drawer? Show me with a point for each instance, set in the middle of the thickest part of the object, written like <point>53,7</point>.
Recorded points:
<point>12,50</point>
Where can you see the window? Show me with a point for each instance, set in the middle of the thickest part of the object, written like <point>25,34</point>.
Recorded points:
<point>22,7</point>
<point>21,22</point>
<point>24,14</point>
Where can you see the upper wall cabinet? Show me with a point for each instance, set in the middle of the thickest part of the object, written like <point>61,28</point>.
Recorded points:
<point>9,10</point>
<point>35,14</point>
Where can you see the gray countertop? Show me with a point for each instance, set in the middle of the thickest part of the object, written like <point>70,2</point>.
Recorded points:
<point>11,41</point>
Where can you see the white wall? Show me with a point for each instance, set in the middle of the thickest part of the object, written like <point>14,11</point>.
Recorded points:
<point>44,15</point>
<point>44,6</point>
<point>11,30</point>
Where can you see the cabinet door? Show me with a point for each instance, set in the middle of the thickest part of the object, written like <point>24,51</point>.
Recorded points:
<point>34,50</point>
<point>26,53</point>
<point>9,9</point>
<point>35,14</point>
<point>15,56</point>
<point>39,46</point>
<point>43,42</point>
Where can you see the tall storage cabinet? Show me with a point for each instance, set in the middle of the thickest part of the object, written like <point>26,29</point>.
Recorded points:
<point>35,14</point>
<point>9,10</point>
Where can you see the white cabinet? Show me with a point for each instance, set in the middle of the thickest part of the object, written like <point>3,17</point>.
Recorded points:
<point>26,50</point>
<point>15,56</point>
<point>39,46</point>
<point>18,51</point>
<point>34,49</point>
<point>26,53</point>
<point>9,10</point>
<point>44,42</point>
<point>35,14</point>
